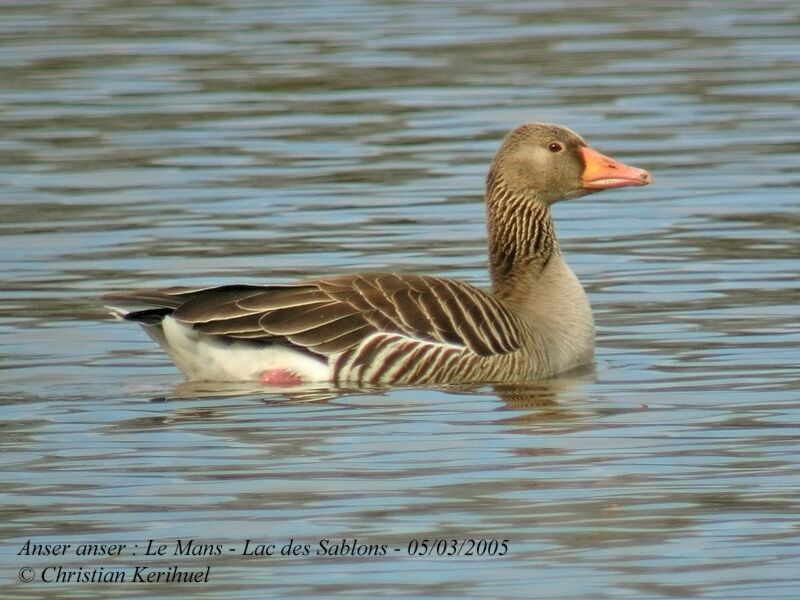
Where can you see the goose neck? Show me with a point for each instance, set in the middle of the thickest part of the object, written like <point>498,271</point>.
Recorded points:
<point>522,239</point>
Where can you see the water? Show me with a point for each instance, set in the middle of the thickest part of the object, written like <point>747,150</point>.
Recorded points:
<point>209,143</point>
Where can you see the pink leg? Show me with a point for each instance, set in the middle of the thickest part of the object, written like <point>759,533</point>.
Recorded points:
<point>279,377</point>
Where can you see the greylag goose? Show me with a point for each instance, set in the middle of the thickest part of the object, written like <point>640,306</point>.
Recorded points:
<point>390,328</point>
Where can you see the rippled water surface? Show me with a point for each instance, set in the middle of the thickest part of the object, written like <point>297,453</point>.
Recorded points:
<point>152,143</point>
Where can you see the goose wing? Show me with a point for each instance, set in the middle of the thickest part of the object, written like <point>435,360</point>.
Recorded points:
<point>332,315</point>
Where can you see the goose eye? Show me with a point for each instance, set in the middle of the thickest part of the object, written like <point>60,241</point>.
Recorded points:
<point>555,147</point>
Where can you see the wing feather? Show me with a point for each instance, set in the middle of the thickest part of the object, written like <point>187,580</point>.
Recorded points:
<point>333,346</point>
<point>304,318</point>
<point>171,297</point>
<point>235,326</point>
<point>276,297</point>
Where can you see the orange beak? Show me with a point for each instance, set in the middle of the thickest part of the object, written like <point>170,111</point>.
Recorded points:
<point>601,172</point>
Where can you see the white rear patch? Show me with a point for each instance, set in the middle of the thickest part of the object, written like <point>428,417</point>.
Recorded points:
<point>202,357</point>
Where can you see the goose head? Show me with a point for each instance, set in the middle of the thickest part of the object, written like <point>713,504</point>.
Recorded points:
<point>546,163</point>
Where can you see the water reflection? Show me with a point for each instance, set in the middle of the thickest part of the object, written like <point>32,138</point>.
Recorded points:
<point>534,396</point>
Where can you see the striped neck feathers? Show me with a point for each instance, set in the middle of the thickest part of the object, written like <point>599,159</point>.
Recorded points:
<point>522,238</point>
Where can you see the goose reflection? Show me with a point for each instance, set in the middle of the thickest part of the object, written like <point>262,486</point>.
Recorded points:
<point>548,398</point>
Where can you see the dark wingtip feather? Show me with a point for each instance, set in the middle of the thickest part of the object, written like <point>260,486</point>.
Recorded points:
<point>151,316</point>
